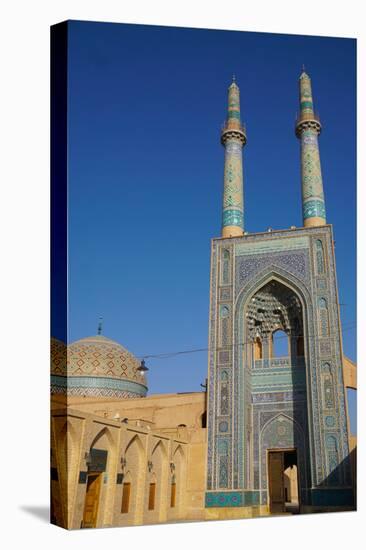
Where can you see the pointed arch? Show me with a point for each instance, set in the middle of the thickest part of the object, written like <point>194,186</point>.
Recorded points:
<point>276,274</point>
<point>243,360</point>
<point>157,488</point>
<point>134,477</point>
<point>160,447</point>
<point>286,417</point>
<point>178,453</point>
<point>104,432</point>
<point>280,432</point>
<point>302,294</point>
<point>135,440</point>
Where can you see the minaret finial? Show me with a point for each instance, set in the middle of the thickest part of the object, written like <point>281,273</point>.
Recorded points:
<point>308,128</point>
<point>100,324</point>
<point>234,78</point>
<point>233,138</point>
<point>303,68</point>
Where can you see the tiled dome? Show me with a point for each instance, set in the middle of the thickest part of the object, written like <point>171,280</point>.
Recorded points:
<point>95,366</point>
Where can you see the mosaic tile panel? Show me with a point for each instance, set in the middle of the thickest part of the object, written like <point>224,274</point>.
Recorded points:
<point>87,385</point>
<point>224,356</point>
<point>225,271</point>
<point>307,130</point>
<point>232,499</point>
<point>225,294</point>
<point>299,270</point>
<point>233,201</point>
<point>296,263</point>
<point>319,257</point>
<point>312,184</point>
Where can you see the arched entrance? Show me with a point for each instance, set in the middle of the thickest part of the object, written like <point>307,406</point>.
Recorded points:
<point>157,481</point>
<point>176,496</point>
<point>283,464</point>
<point>97,461</point>
<point>275,325</point>
<point>274,368</point>
<point>132,483</point>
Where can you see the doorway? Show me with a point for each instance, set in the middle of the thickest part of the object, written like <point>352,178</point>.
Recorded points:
<point>283,481</point>
<point>92,500</point>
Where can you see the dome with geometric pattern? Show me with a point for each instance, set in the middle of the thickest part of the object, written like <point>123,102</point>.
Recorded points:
<point>95,366</point>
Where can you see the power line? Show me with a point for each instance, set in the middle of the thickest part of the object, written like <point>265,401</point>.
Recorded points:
<point>168,355</point>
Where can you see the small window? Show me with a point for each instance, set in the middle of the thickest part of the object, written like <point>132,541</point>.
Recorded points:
<point>257,349</point>
<point>204,420</point>
<point>152,490</point>
<point>300,346</point>
<point>172,494</point>
<point>126,498</point>
<point>279,344</point>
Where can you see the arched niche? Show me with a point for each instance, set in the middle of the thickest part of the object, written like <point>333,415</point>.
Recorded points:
<point>159,452</point>
<point>101,452</point>
<point>274,321</point>
<point>257,348</point>
<point>157,479</point>
<point>177,478</point>
<point>133,455</point>
<point>225,267</point>
<point>319,256</point>
<point>103,440</point>
<point>282,432</point>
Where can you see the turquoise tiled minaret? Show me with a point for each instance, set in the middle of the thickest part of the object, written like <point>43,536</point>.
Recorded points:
<point>308,128</point>
<point>233,138</point>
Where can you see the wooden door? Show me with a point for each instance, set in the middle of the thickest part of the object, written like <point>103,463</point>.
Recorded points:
<point>152,491</point>
<point>126,492</point>
<point>173,494</point>
<point>276,482</point>
<point>92,500</point>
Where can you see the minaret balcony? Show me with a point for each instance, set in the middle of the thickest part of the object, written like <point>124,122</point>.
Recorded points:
<point>307,121</point>
<point>233,130</point>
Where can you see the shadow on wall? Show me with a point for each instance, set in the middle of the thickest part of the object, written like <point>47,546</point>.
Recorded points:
<point>339,488</point>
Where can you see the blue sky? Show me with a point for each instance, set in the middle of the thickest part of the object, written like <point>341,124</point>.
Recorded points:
<point>146,170</point>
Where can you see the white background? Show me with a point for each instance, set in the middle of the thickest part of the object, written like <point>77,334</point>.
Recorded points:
<point>24,271</point>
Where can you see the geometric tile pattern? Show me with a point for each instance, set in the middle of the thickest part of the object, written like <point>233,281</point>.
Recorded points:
<point>233,139</point>
<point>96,386</point>
<point>93,358</point>
<point>232,498</point>
<point>307,129</point>
<point>257,392</point>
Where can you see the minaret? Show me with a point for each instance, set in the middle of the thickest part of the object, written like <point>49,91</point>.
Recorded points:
<point>233,138</point>
<point>308,128</point>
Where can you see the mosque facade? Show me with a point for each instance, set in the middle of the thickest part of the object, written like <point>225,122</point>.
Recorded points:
<point>270,434</point>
